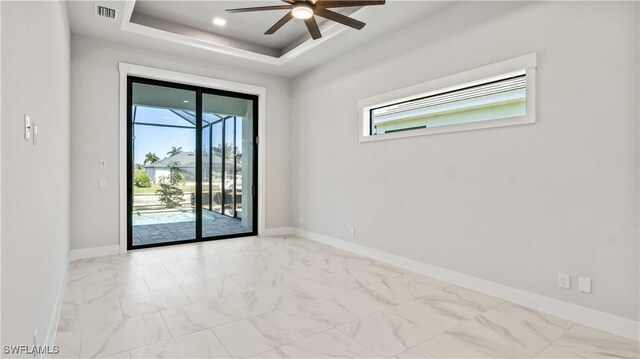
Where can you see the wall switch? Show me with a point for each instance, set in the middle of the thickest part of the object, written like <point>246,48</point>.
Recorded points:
<point>301,219</point>
<point>584,284</point>
<point>103,163</point>
<point>27,127</point>
<point>564,280</point>
<point>103,183</point>
<point>352,231</point>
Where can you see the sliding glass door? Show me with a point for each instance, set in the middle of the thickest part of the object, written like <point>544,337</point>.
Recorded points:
<point>228,164</point>
<point>192,163</point>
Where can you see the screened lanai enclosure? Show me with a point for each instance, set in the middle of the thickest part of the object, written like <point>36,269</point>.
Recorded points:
<point>192,163</point>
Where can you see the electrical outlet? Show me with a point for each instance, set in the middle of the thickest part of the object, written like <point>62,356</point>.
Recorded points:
<point>103,183</point>
<point>584,284</point>
<point>564,280</point>
<point>103,163</point>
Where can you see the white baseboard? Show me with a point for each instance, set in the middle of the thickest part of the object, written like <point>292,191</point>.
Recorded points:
<point>590,317</point>
<point>94,252</point>
<point>55,316</point>
<point>281,231</point>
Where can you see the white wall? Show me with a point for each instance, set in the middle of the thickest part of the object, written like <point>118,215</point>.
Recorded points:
<point>514,205</point>
<point>35,179</point>
<point>94,134</point>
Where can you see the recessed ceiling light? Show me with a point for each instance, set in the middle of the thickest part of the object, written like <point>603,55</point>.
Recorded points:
<point>185,101</point>
<point>219,21</point>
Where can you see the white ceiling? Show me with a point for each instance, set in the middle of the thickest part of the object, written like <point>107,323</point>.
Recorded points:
<point>185,28</point>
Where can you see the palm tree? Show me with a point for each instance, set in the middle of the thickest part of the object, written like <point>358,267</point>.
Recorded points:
<point>150,158</point>
<point>229,149</point>
<point>174,151</point>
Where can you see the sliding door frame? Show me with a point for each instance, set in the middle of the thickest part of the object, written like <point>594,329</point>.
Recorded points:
<point>201,85</point>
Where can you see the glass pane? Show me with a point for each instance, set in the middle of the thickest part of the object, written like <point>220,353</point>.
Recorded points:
<point>209,118</point>
<point>231,169</point>
<point>486,101</point>
<point>238,169</point>
<point>160,116</point>
<point>164,162</point>
<point>206,167</point>
<point>216,167</point>
<point>229,172</point>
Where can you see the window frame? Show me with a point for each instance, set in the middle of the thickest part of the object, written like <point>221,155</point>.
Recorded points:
<point>488,73</point>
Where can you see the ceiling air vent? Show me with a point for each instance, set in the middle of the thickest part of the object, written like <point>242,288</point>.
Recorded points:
<point>105,12</point>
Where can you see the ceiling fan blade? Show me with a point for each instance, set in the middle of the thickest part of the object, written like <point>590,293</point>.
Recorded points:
<point>261,8</point>
<point>347,3</point>
<point>313,28</point>
<point>344,20</point>
<point>289,1</point>
<point>285,19</point>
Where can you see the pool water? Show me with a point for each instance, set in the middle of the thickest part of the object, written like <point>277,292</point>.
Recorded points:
<point>144,218</point>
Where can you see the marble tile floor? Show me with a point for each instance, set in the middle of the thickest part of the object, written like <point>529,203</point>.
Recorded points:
<point>288,297</point>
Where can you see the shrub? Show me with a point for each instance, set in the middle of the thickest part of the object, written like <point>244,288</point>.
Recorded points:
<point>169,195</point>
<point>176,176</point>
<point>141,179</point>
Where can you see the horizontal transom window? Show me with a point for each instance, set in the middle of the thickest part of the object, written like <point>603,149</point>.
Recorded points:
<point>470,100</point>
<point>486,101</point>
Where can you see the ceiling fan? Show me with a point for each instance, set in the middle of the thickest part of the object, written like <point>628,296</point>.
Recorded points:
<point>306,9</point>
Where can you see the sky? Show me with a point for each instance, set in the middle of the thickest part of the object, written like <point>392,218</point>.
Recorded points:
<point>160,140</point>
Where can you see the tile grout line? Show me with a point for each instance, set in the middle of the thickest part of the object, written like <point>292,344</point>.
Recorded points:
<point>166,326</point>
<point>327,296</point>
<point>457,325</point>
<point>461,324</point>
<point>221,342</point>
<point>185,294</point>
<point>148,344</point>
<point>554,340</point>
<point>80,349</point>
<point>391,308</point>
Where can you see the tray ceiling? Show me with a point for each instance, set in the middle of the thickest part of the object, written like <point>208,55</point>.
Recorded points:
<point>186,28</point>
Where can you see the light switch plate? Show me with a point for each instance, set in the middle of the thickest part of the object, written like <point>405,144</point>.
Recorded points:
<point>27,127</point>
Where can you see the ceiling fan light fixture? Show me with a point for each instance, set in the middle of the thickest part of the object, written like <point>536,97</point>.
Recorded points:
<point>302,11</point>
